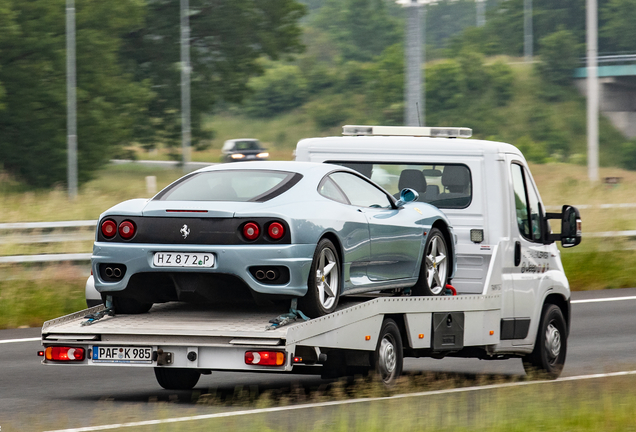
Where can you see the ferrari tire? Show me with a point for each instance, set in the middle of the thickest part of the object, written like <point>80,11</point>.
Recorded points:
<point>435,267</point>
<point>177,379</point>
<point>323,286</point>
<point>550,348</point>
<point>388,356</point>
<point>129,306</point>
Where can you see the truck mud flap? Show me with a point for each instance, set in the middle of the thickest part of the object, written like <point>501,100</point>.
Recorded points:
<point>448,331</point>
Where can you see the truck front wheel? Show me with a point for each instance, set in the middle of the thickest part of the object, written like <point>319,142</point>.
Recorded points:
<point>177,379</point>
<point>550,348</point>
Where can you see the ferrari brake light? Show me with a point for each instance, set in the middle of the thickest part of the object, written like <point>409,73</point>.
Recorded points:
<point>58,353</point>
<point>265,358</point>
<point>251,231</point>
<point>276,230</point>
<point>126,230</point>
<point>109,228</point>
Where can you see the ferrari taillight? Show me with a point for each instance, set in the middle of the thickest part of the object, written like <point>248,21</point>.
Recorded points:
<point>251,231</point>
<point>109,228</point>
<point>276,230</point>
<point>126,230</point>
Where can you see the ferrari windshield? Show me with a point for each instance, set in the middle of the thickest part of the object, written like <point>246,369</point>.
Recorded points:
<point>230,185</point>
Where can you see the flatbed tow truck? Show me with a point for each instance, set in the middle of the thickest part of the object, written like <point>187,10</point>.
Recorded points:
<point>511,296</point>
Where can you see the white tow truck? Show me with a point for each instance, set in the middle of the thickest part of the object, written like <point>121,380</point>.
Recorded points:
<point>511,296</point>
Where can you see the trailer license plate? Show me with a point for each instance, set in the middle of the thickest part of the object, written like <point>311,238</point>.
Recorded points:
<point>181,259</point>
<point>114,354</point>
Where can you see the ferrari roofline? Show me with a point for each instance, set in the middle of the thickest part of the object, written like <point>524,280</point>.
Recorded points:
<point>290,166</point>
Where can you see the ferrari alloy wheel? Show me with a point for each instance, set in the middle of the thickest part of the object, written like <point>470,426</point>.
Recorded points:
<point>435,266</point>
<point>548,357</point>
<point>323,287</point>
<point>388,354</point>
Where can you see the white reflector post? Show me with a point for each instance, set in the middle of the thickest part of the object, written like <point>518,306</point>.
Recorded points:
<point>442,132</point>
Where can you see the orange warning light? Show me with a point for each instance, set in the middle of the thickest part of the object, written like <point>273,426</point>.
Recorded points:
<point>421,336</point>
<point>367,337</point>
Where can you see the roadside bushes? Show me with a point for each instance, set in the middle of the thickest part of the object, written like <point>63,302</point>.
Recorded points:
<point>281,88</point>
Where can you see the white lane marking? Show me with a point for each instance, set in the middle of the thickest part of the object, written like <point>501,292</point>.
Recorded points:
<point>20,340</point>
<point>344,402</point>
<point>609,299</point>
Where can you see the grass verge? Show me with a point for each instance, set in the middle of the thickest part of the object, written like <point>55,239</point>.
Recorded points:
<point>30,296</point>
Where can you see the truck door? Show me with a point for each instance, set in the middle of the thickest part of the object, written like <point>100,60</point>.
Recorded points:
<point>531,256</point>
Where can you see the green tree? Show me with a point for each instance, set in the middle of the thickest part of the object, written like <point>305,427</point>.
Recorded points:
<point>227,39</point>
<point>361,29</point>
<point>33,71</point>
<point>559,57</point>
<point>280,89</point>
<point>618,31</point>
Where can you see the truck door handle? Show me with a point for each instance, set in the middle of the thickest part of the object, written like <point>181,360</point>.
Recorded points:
<point>517,253</point>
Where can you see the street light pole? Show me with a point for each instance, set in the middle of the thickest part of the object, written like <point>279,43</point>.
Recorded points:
<point>527,30</point>
<point>592,90</point>
<point>186,134</point>
<point>414,110</point>
<point>481,12</point>
<point>71,101</point>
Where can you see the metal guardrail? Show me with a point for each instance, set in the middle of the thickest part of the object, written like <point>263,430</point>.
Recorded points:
<point>19,259</point>
<point>47,225</point>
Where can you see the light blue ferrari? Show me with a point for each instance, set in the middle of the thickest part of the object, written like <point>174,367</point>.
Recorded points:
<point>272,230</point>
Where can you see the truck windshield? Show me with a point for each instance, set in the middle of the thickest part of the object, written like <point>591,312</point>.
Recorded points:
<point>444,186</point>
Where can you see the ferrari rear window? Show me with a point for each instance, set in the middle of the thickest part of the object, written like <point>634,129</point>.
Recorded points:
<point>230,185</point>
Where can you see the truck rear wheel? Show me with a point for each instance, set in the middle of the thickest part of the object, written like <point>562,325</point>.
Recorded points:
<point>177,379</point>
<point>548,357</point>
<point>435,266</point>
<point>388,356</point>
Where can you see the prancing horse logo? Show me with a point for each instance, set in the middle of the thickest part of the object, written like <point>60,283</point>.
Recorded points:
<point>185,231</point>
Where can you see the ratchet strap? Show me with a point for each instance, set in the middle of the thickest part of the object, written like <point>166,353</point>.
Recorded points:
<point>287,318</point>
<point>109,311</point>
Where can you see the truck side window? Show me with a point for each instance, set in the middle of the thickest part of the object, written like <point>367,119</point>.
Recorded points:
<point>526,204</point>
<point>446,186</point>
<point>360,192</point>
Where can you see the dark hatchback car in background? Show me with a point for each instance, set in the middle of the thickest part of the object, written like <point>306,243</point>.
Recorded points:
<point>243,149</point>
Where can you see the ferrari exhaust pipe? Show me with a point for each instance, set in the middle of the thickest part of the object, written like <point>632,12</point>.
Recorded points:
<point>109,272</point>
<point>260,274</point>
<point>271,275</point>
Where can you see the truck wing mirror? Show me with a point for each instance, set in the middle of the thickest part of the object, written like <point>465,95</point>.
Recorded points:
<point>406,196</point>
<point>570,227</point>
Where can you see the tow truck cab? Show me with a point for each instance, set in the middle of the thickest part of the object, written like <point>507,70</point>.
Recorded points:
<point>487,191</point>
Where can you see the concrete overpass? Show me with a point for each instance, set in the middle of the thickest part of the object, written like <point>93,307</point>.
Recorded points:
<point>617,90</point>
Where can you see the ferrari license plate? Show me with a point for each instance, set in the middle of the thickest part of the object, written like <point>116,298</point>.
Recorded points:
<point>115,354</point>
<point>183,259</point>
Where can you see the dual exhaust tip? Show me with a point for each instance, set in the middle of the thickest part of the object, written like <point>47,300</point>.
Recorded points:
<point>112,272</point>
<point>269,275</point>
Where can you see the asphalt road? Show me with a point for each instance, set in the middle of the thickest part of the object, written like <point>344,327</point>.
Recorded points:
<point>37,397</point>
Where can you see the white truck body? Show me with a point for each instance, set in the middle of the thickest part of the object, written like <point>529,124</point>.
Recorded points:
<point>504,284</point>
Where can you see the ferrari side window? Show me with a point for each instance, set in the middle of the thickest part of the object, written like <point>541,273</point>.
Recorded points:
<point>329,190</point>
<point>360,192</point>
